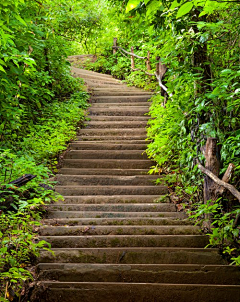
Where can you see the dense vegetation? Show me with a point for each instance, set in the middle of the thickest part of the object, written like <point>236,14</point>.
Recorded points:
<point>41,104</point>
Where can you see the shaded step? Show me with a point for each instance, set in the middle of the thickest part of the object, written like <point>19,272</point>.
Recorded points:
<point>120,99</point>
<point>134,255</point>
<point>108,164</point>
<point>118,230</point>
<point>123,92</point>
<point>99,171</point>
<point>105,154</point>
<point>140,273</point>
<point>125,118</point>
<point>141,138</point>
<point>100,214</point>
<point>116,124</point>
<point>105,180</point>
<point>162,220</point>
<point>118,292</point>
<point>96,104</point>
<point>111,132</point>
<point>120,111</point>
<point>113,199</point>
<point>106,146</point>
<point>124,207</point>
<point>196,241</point>
<point>100,83</point>
<point>111,190</point>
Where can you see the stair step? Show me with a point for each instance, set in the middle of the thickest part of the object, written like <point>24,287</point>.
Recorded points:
<point>118,292</point>
<point>125,118</point>
<point>111,190</point>
<point>106,146</point>
<point>113,199</point>
<point>108,164</point>
<point>111,132</point>
<point>100,171</point>
<point>116,124</point>
<point>197,241</point>
<point>105,154</point>
<point>105,180</point>
<point>124,207</point>
<point>119,221</point>
<point>119,230</point>
<point>123,92</point>
<point>96,104</point>
<point>133,255</point>
<point>120,99</point>
<point>120,111</point>
<point>140,273</point>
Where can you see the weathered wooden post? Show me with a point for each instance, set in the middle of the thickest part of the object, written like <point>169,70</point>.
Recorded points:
<point>132,59</point>
<point>114,45</point>
<point>148,65</point>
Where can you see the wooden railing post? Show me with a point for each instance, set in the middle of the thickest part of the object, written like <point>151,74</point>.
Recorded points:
<point>132,59</point>
<point>114,45</point>
<point>148,65</point>
<point>158,66</point>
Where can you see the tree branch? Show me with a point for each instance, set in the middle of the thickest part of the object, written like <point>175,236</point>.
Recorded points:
<point>231,188</point>
<point>129,53</point>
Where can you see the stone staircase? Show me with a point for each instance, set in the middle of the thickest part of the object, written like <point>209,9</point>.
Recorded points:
<point>112,237</point>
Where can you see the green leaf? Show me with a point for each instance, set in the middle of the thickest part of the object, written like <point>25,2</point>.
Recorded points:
<point>131,5</point>
<point>184,9</point>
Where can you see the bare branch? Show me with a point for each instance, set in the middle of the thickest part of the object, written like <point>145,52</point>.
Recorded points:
<point>129,53</point>
<point>231,188</point>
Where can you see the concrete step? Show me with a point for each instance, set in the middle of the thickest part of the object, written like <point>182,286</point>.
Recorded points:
<point>140,273</point>
<point>141,138</point>
<point>99,171</point>
<point>105,180</point>
<point>107,146</point>
<point>97,104</point>
<point>124,207</point>
<point>95,83</point>
<point>124,118</point>
<point>110,215</point>
<point>106,154</point>
<point>47,230</point>
<point>90,72</point>
<point>111,190</point>
<point>77,72</point>
<point>85,241</point>
<point>120,111</point>
<point>113,199</point>
<point>108,164</point>
<point>114,132</point>
<point>134,255</point>
<point>164,219</point>
<point>117,124</point>
<point>130,99</point>
<point>123,92</point>
<point>134,292</point>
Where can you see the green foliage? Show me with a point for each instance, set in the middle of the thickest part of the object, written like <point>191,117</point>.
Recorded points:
<point>225,232</point>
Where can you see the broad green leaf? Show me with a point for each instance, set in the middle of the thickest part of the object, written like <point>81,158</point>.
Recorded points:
<point>131,5</point>
<point>184,9</point>
<point>174,4</point>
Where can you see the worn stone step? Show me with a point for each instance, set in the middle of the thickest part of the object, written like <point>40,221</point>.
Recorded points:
<point>111,190</point>
<point>123,92</point>
<point>124,118</point>
<point>106,154</point>
<point>140,273</point>
<point>116,124</point>
<point>135,292</point>
<point>105,180</point>
<point>108,164</point>
<point>133,255</point>
<point>164,219</point>
<point>95,83</point>
<point>135,207</point>
<point>106,146</point>
<point>88,138</point>
<point>99,171</point>
<point>110,215</point>
<point>92,76</point>
<point>196,241</point>
<point>113,132</point>
<point>131,99</point>
<point>120,111</point>
<point>113,199</point>
<point>90,72</point>
<point>120,104</point>
<point>47,230</point>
